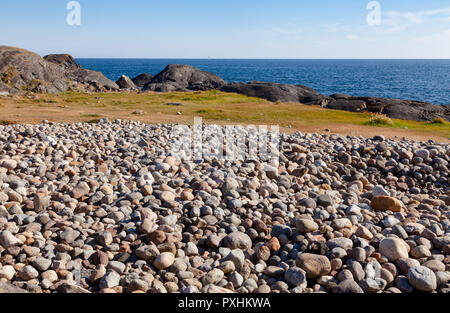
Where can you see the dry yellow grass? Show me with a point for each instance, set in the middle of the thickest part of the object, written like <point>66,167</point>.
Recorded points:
<point>379,120</point>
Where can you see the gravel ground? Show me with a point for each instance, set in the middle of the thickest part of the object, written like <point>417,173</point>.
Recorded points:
<point>105,208</point>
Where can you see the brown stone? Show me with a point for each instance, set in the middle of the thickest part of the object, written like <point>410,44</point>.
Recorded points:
<point>386,203</point>
<point>100,257</point>
<point>273,244</point>
<point>157,237</point>
<point>314,265</point>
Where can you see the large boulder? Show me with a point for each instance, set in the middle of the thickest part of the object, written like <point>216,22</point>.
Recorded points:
<point>142,79</point>
<point>125,82</point>
<point>82,79</point>
<point>176,77</point>
<point>276,92</point>
<point>22,70</point>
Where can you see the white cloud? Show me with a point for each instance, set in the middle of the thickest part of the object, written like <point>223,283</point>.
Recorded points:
<point>396,21</point>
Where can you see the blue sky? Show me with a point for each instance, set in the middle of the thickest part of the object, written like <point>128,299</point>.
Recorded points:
<point>229,29</point>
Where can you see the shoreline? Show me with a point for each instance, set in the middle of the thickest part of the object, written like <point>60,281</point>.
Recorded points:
<point>231,75</point>
<point>24,72</point>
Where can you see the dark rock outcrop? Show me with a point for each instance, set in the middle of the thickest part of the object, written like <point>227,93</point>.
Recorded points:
<point>92,80</point>
<point>22,70</point>
<point>125,82</point>
<point>340,96</point>
<point>142,79</point>
<point>65,60</point>
<point>276,92</point>
<point>177,77</point>
<point>394,108</point>
<point>82,79</point>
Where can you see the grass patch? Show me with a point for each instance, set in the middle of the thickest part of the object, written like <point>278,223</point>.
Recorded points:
<point>208,111</point>
<point>212,114</point>
<point>32,86</point>
<point>379,120</point>
<point>7,76</point>
<point>439,121</point>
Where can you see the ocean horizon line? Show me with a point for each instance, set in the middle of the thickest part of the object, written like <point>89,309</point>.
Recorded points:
<point>262,59</point>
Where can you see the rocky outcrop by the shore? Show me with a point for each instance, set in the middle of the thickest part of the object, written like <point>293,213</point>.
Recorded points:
<point>82,79</point>
<point>125,82</point>
<point>21,70</point>
<point>142,79</point>
<point>185,78</point>
<point>395,108</point>
<point>64,60</point>
<point>276,92</point>
<point>24,71</point>
<point>176,77</point>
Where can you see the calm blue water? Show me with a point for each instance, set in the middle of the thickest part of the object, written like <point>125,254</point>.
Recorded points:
<point>425,80</point>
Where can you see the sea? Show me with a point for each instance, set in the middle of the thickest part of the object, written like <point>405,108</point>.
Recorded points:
<point>423,80</point>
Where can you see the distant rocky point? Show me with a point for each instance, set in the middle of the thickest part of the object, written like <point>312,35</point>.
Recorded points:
<point>24,71</point>
<point>394,108</point>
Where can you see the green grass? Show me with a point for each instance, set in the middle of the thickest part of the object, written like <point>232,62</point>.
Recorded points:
<point>439,121</point>
<point>438,125</point>
<point>212,114</point>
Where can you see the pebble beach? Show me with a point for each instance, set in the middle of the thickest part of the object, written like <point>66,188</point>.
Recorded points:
<point>106,208</point>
